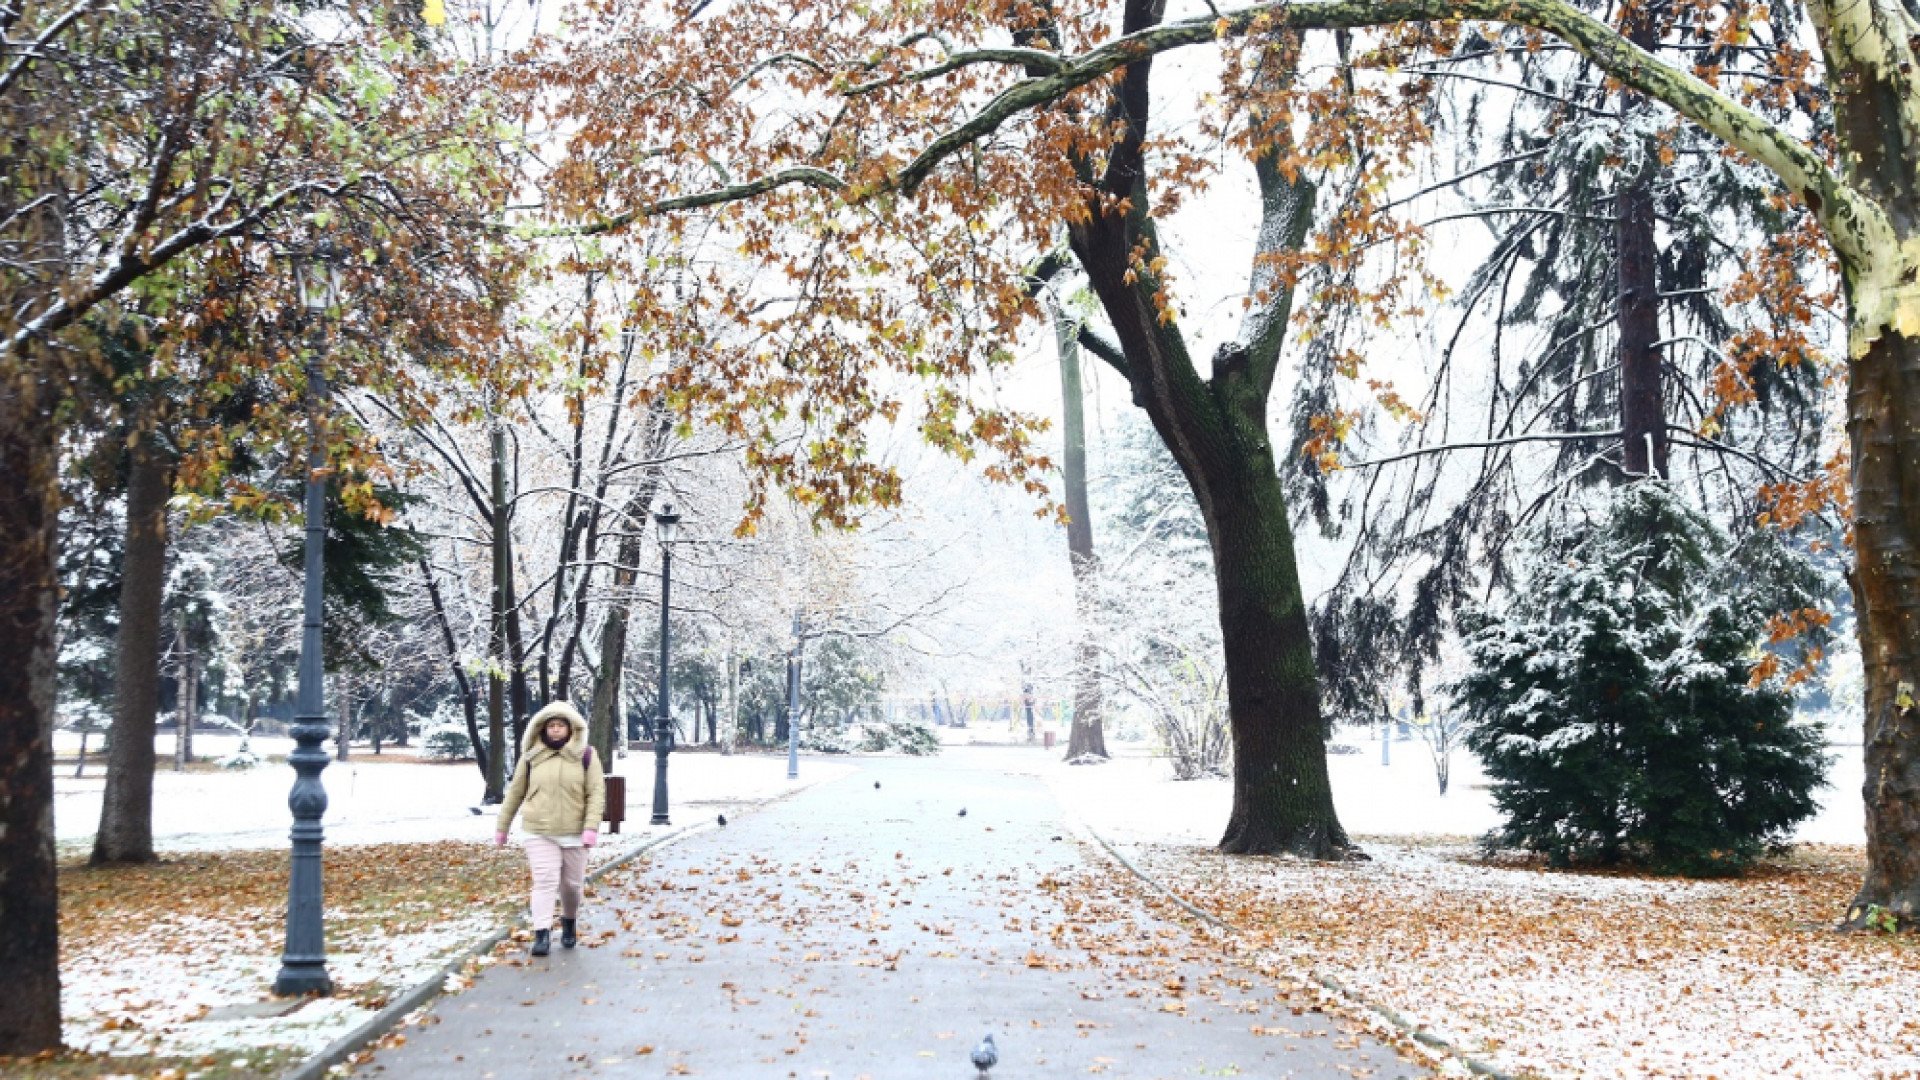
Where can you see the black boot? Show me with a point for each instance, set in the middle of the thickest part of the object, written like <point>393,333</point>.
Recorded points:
<point>568,938</point>
<point>540,946</point>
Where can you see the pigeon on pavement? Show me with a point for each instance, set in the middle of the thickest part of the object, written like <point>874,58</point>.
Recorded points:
<point>963,812</point>
<point>876,785</point>
<point>985,1055</point>
<point>723,821</point>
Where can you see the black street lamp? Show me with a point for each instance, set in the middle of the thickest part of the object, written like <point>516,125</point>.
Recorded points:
<point>669,523</point>
<point>303,965</point>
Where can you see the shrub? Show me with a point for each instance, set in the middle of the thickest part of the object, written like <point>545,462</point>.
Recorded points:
<point>243,758</point>
<point>447,742</point>
<point>905,736</point>
<point>1612,699</point>
<point>827,740</point>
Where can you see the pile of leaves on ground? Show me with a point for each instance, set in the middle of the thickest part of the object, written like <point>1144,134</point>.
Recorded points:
<point>1585,974</point>
<point>151,954</point>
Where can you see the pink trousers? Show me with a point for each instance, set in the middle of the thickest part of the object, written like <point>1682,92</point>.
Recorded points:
<point>556,869</point>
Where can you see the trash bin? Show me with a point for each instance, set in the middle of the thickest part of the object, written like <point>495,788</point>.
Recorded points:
<point>1046,739</point>
<point>616,811</point>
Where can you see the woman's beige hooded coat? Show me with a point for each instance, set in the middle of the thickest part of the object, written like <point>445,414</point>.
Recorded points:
<point>560,797</point>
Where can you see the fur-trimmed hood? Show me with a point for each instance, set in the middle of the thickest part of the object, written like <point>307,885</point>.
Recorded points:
<point>565,792</point>
<point>576,743</point>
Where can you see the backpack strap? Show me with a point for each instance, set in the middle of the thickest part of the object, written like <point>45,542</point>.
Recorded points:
<point>586,759</point>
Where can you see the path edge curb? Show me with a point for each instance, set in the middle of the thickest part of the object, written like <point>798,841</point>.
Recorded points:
<point>1387,1013</point>
<point>344,1047</point>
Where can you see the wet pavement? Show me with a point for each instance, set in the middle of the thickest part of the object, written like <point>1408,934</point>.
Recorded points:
<point>856,930</point>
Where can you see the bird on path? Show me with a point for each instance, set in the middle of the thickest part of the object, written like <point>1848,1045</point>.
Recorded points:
<point>723,821</point>
<point>985,1055</point>
<point>963,812</point>
<point>876,785</point>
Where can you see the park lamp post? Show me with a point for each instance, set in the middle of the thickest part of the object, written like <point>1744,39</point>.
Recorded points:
<point>303,966</point>
<point>669,522</point>
<point>793,700</point>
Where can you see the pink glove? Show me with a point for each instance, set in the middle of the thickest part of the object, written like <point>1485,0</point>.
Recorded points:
<point>590,837</point>
<point>499,839</point>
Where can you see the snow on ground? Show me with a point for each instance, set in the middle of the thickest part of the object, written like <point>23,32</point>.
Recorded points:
<point>1588,975</point>
<point>392,798</point>
<point>146,985</point>
<point>117,1000</point>
<point>1399,799</point>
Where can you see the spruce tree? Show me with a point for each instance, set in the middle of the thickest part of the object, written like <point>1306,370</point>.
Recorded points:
<point>1613,698</point>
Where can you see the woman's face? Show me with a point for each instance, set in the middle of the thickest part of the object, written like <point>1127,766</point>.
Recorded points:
<point>557,730</point>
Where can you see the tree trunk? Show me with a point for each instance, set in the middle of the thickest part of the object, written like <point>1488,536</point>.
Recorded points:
<point>469,700</point>
<point>519,694</point>
<point>497,624</point>
<point>1282,795</point>
<point>1216,430</point>
<point>187,704</point>
<point>1884,428</point>
<point>377,727</point>
<point>1089,733</point>
<point>126,806</point>
<point>1643,420</point>
<point>29,896</point>
<point>733,702</point>
<point>606,712</point>
<point>343,731</point>
<point>1877,118</point>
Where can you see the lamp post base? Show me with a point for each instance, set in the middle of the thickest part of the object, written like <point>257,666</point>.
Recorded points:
<point>303,979</point>
<point>662,746</point>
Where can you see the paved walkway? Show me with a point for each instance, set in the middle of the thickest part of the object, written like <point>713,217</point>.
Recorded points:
<point>862,931</point>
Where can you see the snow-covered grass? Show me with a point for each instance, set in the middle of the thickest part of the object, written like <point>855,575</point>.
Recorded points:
<point>1558,974</point>
<point>163,961</point>
<point>1134,797</point>
<point>393,798</point>
<point>156,959</point>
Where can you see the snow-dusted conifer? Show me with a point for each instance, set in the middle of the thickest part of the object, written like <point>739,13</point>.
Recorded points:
<point>1613,697</point>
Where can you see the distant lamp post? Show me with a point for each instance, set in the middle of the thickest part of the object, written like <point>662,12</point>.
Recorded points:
<point>669,523</point>
<point>793,702</point>
<point>303,965</point>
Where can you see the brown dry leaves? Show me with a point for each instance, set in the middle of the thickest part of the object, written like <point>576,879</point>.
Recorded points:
<point>1534,970</point>
<point>149,950</point>
<point>390,887</point>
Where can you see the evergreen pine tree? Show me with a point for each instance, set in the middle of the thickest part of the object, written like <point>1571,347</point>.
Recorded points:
<point>1613,701</point>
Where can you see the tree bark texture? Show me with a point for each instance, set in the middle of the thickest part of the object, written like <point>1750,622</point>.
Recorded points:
<point>1088,734</point>
<point>1884,427</point>
<point>29,904</point>
<point>126,806</point>
<point>606,712</point>
<point>1871,50</point>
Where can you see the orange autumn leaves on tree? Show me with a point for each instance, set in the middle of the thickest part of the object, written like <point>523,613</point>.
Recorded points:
<point>867,186</point>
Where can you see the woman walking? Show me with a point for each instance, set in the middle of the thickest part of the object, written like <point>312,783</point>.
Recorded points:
<point>564,792</point>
